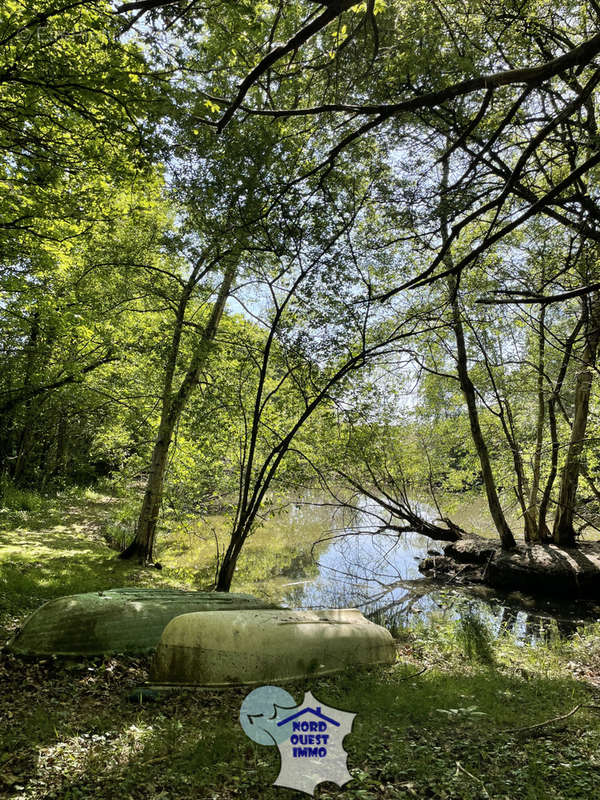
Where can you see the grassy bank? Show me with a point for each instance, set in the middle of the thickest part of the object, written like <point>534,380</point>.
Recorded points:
<point>452,719</point>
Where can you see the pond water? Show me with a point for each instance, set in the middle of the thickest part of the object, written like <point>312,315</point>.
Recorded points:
<point>357,564</point>
<point>314,553</point>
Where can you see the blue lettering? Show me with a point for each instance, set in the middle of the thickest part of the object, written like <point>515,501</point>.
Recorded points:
<point>304,738</point>
<point>309,752</point>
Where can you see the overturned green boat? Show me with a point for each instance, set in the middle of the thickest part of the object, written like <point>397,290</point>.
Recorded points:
<point>246,647</point>
<point>115,620</point>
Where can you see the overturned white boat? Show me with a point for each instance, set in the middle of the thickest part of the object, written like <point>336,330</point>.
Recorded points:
<point>115,620</point>
<point>246,647</point>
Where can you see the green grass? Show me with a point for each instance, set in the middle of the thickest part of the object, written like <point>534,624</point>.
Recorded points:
<point>61,548</point>
<point>442,723</point>
<point>73,733</point>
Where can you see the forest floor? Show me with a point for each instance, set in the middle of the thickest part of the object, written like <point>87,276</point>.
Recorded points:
<point>461,716</point>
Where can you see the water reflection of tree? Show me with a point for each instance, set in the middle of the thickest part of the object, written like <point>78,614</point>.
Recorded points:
<point>380,578</point>
<point>301,565</point>
<point>535,627</point>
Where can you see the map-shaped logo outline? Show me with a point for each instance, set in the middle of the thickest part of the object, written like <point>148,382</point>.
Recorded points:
<point>309,737</point>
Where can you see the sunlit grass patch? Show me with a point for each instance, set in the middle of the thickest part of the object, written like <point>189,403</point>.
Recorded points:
<point>60,550</point>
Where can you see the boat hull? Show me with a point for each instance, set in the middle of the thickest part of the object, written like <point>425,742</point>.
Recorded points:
<point>116,620</point>
<point>232,648</point>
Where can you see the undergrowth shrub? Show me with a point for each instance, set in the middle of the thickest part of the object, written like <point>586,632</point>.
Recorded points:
<point>13,498</point>
<point>474,638</point>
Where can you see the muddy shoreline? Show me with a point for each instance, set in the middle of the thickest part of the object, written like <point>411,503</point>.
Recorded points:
<point>546,570</point>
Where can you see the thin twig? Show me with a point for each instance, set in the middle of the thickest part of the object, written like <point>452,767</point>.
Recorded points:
<point>414,675</point>
<point>460,768</point>
<point>487,565</point>
<point>570,713</point>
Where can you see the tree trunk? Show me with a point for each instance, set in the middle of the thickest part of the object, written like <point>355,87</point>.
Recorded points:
<point>60,461</point>
<point>227,568</point>
<point>25,443</point>
<point>564,532</point>
<point>552,401</point>
<point>508,426</point>
<point>142,546</point>
<point>27,430</point>
<point>506,537</point>
<point>534,531</point>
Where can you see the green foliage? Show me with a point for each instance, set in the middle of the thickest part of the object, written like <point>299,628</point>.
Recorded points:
<point>14,499</point>
<point>415,720</point>
<point>116,189</point>
<point>474,638</point>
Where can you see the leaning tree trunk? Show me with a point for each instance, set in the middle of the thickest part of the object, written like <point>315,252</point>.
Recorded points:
<point>564,532</point>
<point>227,568</point>
<point>142,545</point>
<point>506,537</point>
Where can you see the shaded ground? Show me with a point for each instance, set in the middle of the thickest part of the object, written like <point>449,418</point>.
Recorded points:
<point>62,549</point>
<point>443,723</point>
<point>71,732</point>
